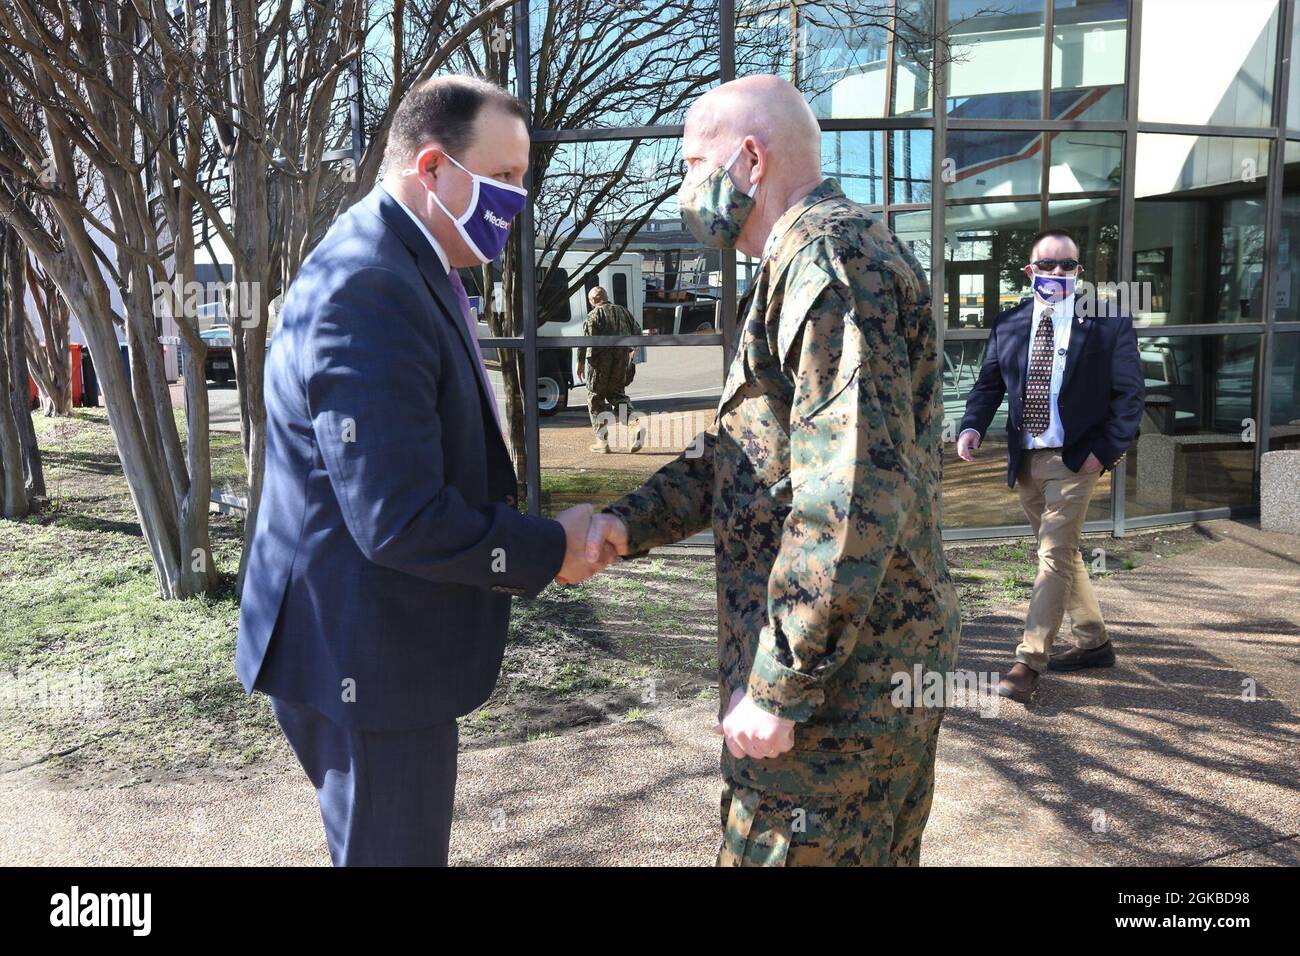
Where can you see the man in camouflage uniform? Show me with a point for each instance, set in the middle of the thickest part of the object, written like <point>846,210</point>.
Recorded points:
<point>820,478</point>
<point>612,369</point>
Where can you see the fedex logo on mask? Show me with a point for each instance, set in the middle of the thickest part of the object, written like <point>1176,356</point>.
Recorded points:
<point>495,220</point>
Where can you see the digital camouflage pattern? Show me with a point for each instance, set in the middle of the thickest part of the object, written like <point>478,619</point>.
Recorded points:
<point>850,807</point>
<point>610,370</point>
<point>714,209</point>
<point>821,479</point>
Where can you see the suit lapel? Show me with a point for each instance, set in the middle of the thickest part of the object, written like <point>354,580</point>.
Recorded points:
<point>1014,336</point>
<point>1080,329</point>
<point>435,277</point>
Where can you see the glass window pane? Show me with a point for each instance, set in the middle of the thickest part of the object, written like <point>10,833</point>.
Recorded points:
<point>1198,228</point>
<point>997,59</point>
<point>1085,162</point>
<point>1293,81</point>
<point>1089,43</point>
<point>913,228</point>
<point>1208,63</point>
<point>676,388</point>
<point>857,160</point>
<point>1286,281</point>
<point>611,208</point>
<point>1284,399</point>
<point>836,53</point>
<point>914,58</point>
<point>910,165</point>
<point>975,494</point>
<point>599,65</point>
<point>987,165</point>
<point>986,246</point>
<point>1196,449</point>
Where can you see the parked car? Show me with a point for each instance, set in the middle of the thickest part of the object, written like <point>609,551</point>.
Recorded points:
<point>219,366</point>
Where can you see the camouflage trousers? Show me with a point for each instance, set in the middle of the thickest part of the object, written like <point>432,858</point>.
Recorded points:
<point>608,394</point>
<point>863,805</point>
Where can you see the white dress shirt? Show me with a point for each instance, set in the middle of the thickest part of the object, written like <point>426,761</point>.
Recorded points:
<point>1062,314</point>
<point>442,256</point>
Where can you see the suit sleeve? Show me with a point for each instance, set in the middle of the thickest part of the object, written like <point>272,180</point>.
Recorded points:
<point>1127,398</point>
<point>852,490</point>
<point>988,391</point>
<point>371,379</point>
<point>674,503</point>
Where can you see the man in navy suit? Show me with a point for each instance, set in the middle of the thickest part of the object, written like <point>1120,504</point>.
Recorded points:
<point>389,542</point>
<point>1075,393</point>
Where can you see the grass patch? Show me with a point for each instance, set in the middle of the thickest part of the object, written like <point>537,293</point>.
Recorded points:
<point>158,695</point>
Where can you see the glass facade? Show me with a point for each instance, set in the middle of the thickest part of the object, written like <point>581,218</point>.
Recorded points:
<point>1164,134</point>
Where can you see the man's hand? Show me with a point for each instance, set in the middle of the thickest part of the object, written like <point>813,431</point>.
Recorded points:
<point>606,539</point>
<point>753,732</point>
<point>967,442</point>
<point>582,372</point>
<point>576,567</point>
<point>1091,465</point>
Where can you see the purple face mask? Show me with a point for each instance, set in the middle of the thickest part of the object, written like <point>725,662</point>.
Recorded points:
<point>1053,288</point>
<point>485,224</point>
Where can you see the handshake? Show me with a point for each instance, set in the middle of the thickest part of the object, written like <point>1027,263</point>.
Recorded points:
<point>593,541</point>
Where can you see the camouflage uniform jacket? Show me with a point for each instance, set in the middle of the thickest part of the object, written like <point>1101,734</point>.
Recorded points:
<point>821,478</point>
<point>609,364</point>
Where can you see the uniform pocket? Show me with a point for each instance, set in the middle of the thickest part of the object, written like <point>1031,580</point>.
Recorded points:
<point>754,832</point>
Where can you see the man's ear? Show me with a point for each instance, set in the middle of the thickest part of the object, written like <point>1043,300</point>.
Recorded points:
<point>759,169</point>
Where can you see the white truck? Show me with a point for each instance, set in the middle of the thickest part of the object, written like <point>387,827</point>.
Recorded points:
<point>556,373</point>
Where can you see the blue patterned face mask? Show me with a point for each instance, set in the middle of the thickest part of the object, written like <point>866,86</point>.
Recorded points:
<point>714,209</point>
<point>485,225</point>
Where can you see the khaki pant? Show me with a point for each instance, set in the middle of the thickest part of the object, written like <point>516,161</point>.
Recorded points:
<point>1055,500</point>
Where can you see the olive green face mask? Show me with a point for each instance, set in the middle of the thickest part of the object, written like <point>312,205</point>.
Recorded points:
<point>714,209</point>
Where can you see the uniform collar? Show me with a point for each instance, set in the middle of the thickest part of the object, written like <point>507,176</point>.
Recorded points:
<point>828,188</point>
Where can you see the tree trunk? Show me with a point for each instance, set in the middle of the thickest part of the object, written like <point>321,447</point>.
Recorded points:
<point>20,398</point>
<point>13,484</point>
<point>50,363</point>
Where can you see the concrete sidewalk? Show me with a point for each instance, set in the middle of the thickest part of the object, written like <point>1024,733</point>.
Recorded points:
<point>1156,761</point>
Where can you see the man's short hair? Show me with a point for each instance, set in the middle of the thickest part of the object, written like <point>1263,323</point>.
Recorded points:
<point>1054,234</point>
<point>597,292</point>
<point>444,109</point>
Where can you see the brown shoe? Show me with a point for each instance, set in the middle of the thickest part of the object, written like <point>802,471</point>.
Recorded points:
<point>1019,684</point>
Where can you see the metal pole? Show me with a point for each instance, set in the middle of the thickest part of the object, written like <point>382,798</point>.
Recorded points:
<point>528,272</point>
<point>727,72</point>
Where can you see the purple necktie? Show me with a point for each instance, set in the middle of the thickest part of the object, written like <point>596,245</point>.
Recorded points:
<point>468,317</point>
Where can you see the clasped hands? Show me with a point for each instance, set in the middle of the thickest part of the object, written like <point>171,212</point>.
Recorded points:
<point>594,541</point>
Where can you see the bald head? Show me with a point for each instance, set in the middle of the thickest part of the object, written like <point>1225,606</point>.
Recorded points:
<point>767,107</point>
<point>598,296</point>
<point>780,144</point>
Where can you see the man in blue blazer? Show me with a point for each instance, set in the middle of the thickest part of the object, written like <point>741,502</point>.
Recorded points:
<point>389,543</point>
<point>1075,394</point>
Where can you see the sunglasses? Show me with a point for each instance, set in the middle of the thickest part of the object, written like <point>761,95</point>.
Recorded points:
<point>1047,265</point>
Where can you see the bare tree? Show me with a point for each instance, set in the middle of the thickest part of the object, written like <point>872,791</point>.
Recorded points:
<point>79,64</point>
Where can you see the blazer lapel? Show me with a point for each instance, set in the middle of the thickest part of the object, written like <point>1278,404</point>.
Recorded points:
<point>435,277</point>
<point>1080,329</point>
<point>1014,337</point>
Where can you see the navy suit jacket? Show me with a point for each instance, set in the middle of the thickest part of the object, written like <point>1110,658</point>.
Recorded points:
<point>1102,389</point>
<point>388,543</point>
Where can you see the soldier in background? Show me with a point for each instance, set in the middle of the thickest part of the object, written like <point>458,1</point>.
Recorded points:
<point>820,479</point>
<point>612,369</point>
